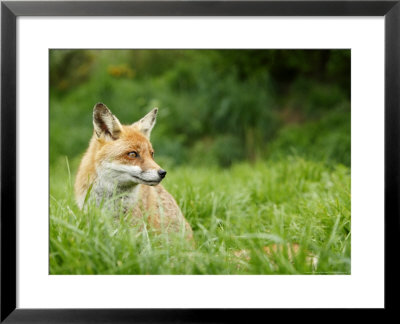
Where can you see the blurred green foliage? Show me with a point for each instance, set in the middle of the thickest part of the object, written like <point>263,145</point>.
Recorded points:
<point>216,106</point>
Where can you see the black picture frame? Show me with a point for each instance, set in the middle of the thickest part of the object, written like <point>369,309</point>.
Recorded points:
<point>10,10</point>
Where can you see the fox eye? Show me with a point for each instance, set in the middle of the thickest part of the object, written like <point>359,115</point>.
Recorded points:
<point>152,154</point>
<point>133,154</point>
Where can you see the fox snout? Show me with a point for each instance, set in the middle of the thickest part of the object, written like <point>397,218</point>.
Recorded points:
<point>162,173</point>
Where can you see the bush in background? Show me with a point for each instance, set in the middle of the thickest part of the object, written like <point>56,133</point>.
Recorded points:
<point>216,106</point>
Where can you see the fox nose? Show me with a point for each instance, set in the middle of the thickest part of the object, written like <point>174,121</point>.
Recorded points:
<point>162,173</point>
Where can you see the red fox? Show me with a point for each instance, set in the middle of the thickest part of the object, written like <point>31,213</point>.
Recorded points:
<point>120,163</point>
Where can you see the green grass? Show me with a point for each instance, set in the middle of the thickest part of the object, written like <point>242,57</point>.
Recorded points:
<point>257,148</point>
<point>235,213</point>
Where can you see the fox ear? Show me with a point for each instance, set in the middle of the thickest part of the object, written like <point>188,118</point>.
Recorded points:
<point>105,123</point>
<point>146,124</point>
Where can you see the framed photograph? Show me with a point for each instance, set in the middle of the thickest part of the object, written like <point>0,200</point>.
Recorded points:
<point>197,160</point>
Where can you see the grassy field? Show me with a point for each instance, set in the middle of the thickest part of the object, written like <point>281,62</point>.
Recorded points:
<point>238,215</point>
<point>257,148</point>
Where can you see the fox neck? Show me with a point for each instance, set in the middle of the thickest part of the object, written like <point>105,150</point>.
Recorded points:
<point>106,188</point>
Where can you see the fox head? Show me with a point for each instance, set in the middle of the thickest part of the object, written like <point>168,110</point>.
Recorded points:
<point>124,154</point>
